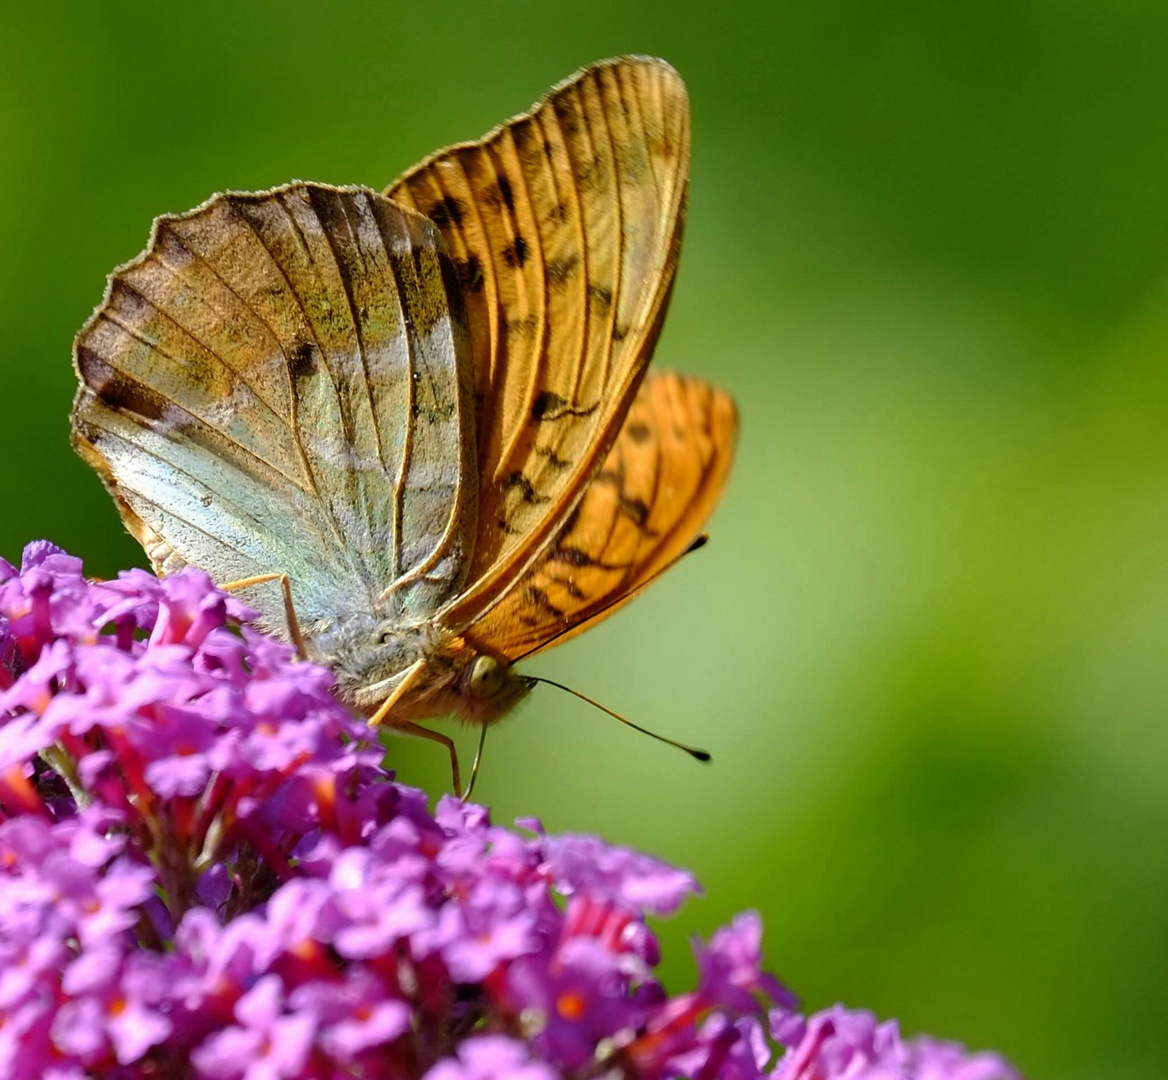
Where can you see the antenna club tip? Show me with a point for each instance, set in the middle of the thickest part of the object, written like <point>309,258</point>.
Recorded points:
<point>702,755</point>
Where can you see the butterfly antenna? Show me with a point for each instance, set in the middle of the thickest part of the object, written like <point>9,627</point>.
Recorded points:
<point>693,751</point>
<point>474,769</point>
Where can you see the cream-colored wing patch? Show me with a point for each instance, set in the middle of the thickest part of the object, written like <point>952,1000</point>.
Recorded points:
<point>646,506</point>
<point>282,383</point>
<point>565,225</point>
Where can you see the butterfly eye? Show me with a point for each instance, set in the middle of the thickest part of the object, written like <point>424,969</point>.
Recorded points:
<point>486,677</point>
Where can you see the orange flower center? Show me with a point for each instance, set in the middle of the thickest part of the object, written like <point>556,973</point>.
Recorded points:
<point>571,1006</point>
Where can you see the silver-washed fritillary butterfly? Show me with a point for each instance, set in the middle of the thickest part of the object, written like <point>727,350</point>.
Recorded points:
<point>424,413</point>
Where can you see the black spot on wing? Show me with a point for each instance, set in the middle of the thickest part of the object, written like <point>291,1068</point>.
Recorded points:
<point>536,597</point>
<point>633,507</point>
<point>552,458</point>
<point>546,405</point>
<point>636,509</point>
<point>501,194</point>
<point>560,270</point>
<point>572,556</point>
<point>446,211</point>
<point>550,406</point>
<point>601,296</point>
<point>517,481</point>
<point>639,432</point>
<point>572,589</point>
<point>579,558</point>
<point>515,254</point>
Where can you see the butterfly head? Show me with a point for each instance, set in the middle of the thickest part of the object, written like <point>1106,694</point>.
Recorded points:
<point>487,688</point>
<point>463,680</point>
<point>371,659</point>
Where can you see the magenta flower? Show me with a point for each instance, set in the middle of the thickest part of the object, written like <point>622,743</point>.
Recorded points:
<point>491,1057</point>
<point>843,1044</point>
<point>268,1041</point>
<point>731,968</point>
<point>207,874</point>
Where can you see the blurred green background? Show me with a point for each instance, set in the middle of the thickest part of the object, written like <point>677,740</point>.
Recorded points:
<point>928,253</point>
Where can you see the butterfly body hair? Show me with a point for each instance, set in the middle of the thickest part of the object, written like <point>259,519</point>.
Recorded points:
<point>370,655</point>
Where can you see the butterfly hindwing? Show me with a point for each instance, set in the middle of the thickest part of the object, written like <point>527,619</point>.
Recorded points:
<point>641,511</point>
<point>282,383</point>
<point>565,225</point>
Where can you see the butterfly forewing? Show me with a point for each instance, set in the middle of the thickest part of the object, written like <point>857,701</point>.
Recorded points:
<point>641,511</point>
<point>565,225</point>
<point>281,383</point>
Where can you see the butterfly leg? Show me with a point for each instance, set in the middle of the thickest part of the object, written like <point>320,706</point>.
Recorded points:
<point>407,727</point>
<point>289,607</point>
<point>410,728</point>
<point>410,676</point>
<point>474,769</point>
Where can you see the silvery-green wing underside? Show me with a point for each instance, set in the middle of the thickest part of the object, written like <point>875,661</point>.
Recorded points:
<point>281,383</point>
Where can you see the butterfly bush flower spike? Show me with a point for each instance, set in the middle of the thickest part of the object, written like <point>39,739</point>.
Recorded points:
<point>206,873</point>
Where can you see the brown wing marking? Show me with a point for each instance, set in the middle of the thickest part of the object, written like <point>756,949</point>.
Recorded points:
<point>642,510</point>
<point>565,225</point>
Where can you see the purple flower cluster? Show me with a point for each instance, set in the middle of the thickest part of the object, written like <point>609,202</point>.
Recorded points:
<point>843,1044</point>
<point>205,872</point>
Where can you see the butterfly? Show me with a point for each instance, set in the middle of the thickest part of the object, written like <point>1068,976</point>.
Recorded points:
<point>424,415</point>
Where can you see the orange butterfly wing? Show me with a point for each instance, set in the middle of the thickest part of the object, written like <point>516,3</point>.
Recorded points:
<point>641,512</point>
<point>565,224</point>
